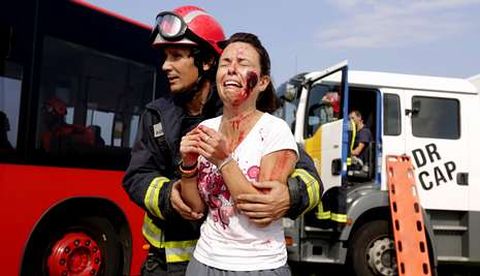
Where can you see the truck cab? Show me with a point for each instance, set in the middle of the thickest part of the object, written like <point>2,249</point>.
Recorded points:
<point>433,120</point>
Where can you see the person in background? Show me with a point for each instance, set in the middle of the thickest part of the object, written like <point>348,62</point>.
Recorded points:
<point>60,136</point>
<point>332,98</point>
<point>97,131</point>
<point>187,39</point>
<point>224,155</point>
<point>363,136</point>
<point>4,128</point>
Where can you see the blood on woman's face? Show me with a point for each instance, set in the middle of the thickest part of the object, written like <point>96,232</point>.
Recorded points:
<point>238,74</point>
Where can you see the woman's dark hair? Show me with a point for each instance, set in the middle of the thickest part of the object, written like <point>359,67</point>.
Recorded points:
<point>267,100</point>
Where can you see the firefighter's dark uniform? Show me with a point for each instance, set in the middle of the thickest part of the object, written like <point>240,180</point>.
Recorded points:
<point>153,170</point>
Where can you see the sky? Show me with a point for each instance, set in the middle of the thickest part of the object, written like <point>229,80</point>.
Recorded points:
<point>427,37</point>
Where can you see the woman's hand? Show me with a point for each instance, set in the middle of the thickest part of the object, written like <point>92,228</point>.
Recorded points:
<point>213,145</point>
<point>189,147</point>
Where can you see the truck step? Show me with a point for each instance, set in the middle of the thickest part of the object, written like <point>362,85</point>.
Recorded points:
<point>318,230</point>
<point>455,259</point>
<point>319,259</point>
<point>452,228</point>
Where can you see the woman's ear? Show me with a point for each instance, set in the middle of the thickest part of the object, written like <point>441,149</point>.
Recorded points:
<point>264,82</point>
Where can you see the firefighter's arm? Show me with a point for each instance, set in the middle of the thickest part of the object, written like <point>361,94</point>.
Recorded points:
<point>304,186</point>
<point>143,180</point>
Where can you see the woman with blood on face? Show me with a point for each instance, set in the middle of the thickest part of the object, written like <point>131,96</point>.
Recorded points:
<point>224,155</point>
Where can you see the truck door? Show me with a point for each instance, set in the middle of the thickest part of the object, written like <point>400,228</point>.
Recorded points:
<point>322,130</point>
<point>436,140</point>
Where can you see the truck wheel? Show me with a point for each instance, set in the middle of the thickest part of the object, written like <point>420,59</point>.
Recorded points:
<point>372,250</point>
<point>87,246</point>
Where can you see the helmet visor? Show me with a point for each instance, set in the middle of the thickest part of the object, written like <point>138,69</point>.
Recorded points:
<point>170,26</point>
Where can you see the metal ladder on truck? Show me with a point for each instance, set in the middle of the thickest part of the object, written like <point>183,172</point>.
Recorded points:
<point>408,226</point>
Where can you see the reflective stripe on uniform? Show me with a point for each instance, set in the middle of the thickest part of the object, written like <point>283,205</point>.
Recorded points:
<point>153,192</point>
<point>179,251</point>
<point>175,251</point>
<point>313,187</point>
<point>341,218</point>
<point>324,215</point>
<point>321,214</point>
<point>152,233</point>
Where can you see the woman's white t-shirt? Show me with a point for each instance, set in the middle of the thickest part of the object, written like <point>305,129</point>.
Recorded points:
<point>228,240</point>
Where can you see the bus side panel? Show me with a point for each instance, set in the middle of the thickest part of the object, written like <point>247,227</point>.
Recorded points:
<point>28,192</point>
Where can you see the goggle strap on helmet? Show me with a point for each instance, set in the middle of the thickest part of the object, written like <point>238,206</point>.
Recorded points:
<point>191,15</point>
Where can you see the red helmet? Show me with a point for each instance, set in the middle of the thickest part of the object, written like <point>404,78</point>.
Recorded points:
<point>55,107</point>
<point>188,25</point>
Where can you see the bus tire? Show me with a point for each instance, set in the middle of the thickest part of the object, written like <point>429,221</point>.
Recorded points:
<point>86,244</point>
<point>372,250</point>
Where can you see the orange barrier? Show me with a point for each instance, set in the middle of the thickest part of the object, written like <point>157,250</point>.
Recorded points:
<point>408,226</point>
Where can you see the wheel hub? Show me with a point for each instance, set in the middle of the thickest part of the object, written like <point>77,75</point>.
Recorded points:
<point>75,254</point>
<point>381,257</point>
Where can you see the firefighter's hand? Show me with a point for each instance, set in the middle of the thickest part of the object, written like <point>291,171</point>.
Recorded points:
<point>263,209</point>
<point>179,205</point>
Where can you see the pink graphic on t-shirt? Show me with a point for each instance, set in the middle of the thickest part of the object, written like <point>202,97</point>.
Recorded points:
<point>253,172</point>
<point>215,193</point>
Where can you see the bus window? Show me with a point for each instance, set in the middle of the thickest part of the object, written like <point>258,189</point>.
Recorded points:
<point>10,91</point>
<point>100,98</point>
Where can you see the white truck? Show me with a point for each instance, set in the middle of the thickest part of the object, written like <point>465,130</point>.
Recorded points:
<point>433,120</point>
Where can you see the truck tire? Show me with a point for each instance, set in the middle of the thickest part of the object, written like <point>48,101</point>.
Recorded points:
<point>372,250</point>
<point>85,246</point>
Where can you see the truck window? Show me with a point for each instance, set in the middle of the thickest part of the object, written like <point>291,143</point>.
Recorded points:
<point>391,115</point>
<point>436,117</point>
<point>323,107</point>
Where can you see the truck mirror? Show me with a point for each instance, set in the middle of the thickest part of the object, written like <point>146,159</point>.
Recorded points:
<point>415,109</point>
<point>290,92</point>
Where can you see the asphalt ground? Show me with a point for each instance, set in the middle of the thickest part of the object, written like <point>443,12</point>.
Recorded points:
<point>340,270</point>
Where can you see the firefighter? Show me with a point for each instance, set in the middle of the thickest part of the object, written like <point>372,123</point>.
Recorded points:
<point>188,37</point>
<point>4,128</point>
<point>61,137</point>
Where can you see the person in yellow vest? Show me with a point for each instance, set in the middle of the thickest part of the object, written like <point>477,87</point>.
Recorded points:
<point>188,39</point>
<point>363,136</point>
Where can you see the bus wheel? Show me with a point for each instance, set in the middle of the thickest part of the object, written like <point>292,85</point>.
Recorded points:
<point>85,246</point>
<point>372,250</point>
<point>75,253</point>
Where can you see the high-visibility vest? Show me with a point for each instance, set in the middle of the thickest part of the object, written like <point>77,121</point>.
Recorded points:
<point>175,251</point>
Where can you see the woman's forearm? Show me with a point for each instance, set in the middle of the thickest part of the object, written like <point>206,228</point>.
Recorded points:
<point>236,181</point>
<point>191,195</point>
